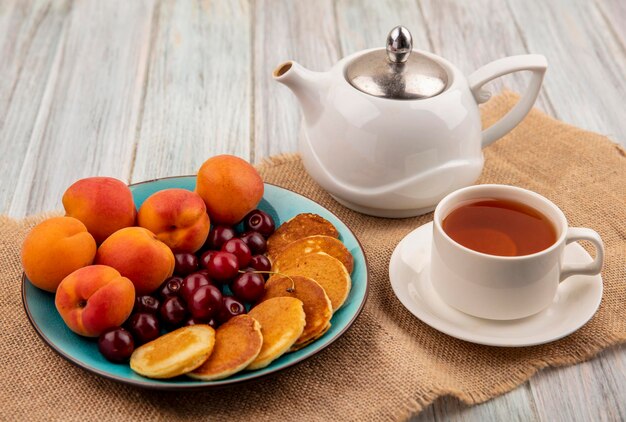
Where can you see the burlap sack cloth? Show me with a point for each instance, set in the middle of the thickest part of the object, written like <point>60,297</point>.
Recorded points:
<point>389,365</point>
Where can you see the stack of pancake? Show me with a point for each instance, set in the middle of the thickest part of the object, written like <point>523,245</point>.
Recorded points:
<point>311,281</point>
<point>306,254</point>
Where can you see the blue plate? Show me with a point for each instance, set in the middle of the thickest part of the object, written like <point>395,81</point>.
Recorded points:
<point>282,205</point>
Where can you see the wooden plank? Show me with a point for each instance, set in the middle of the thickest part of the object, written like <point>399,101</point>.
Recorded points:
<point>87,121</point>
<point>516,405</point>
<point>366,24</point>
<point>585,82</point>
<point>287,30</point>
<point>614,13</point>
<point>590,391</point>
<point>198,95</point>
<point>471,34</point>
<point>30,34</point>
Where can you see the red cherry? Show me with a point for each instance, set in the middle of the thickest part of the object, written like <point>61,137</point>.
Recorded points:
<point>185,263</point>
<point>260,263</point>
<point>191,283</point>
<point>205,258</point>
<point>144,327</point>
<point>218,235</point>
<point>205,302</point>
<point>223,266</point>
<point>229,308</point>
<point>146,303</point>
<point>193,321</point>
<point>248,287</point>
<point>173,311</point>
<point>170,287</point>
<point>204,272</point>
<point>239,248</point>
<point>116,344</point>
<point>259,221</point>
<point>255,241</point>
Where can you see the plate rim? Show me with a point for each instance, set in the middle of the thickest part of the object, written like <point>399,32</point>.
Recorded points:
<point>461,334</point>
<point>202,385</point>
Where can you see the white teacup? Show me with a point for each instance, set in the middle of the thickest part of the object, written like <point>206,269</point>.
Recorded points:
<point>504,287</point>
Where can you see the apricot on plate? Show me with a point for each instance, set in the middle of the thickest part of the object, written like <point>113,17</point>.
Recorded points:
<point>178,217</point>
<point>103,204</point>
<point>230,187</point>
<point>93,299</point>
<point>138,255</point>
<point>55,248</point>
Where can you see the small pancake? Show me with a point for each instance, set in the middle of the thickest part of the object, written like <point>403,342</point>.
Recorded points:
<point>317,306</point>
<point>313,244</point>
<point>174,353</point>
<point>237,343</point>
<point>327,271</point>
<point>300,226</point>
<point>282,321</point>
<point>303,345</point>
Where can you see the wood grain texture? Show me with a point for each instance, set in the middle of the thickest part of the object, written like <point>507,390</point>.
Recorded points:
<point>473,33</point>
<point>30,33</point>
<point>590,391</point>
<point>198,94</point>
<point>585,81</point>
<point>514,406</point>
<point>87,120</point>
<point>614,13</point>
<point>365,24</point>
<point>304,32</point>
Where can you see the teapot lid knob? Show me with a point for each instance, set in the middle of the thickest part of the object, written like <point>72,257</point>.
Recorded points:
<point>397,72</point>
<point>399,44</point>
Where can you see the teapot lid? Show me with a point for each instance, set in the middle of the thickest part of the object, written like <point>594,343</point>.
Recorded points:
<point>397,73</point>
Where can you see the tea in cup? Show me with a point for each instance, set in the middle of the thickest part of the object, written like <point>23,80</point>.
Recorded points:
<point>497,251</point>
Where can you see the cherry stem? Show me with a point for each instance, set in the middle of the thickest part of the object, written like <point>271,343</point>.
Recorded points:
<point>289,289</point>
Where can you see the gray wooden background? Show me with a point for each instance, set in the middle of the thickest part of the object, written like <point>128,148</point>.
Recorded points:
<point>142,89</point>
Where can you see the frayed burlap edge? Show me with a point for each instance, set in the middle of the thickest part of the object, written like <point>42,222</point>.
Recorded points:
<point>517,378</point>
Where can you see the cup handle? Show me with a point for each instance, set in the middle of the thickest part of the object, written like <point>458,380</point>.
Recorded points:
<point>536,63</point>
<point>592,268</point>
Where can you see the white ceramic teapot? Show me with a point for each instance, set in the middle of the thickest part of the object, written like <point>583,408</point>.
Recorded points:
<point>390,132</point>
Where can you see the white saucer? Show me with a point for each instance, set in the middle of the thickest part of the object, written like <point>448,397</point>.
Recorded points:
<point>577,300</point>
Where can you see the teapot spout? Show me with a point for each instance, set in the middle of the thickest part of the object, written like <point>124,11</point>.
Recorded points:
<point>307,85</point>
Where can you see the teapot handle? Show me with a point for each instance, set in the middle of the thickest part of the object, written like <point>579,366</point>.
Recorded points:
<point>536,63</point>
